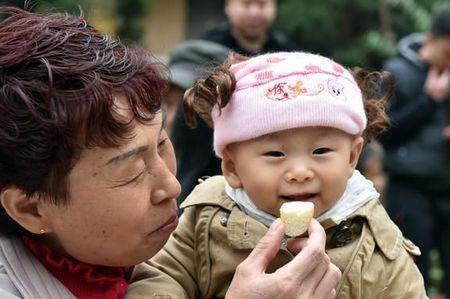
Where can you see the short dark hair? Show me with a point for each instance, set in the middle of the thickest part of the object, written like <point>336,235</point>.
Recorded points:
<point>58,79</point>
<point>441,23</point>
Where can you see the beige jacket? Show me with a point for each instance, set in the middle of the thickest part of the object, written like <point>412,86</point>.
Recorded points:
<point>214,236</point>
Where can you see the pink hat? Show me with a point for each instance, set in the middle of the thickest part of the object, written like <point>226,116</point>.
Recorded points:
<point>281,91</point>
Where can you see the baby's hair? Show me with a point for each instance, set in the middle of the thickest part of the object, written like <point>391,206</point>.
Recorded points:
<point>217,87</point>
<point>377,88</point>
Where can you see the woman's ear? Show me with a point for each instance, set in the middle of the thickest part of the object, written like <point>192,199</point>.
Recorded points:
<point>23,209</point>
<point>229,169</point>
<point>355,152</point>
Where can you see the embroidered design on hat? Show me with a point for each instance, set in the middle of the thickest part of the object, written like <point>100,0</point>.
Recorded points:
<point>278,92</point>
<point>339,69</point>
<point>298,89</point>
<point>264,76</point>
<point>282,91</point>
<point>313,68</point>
<point>336,89</point>
<point>237,67</point>
<point>317,69</point>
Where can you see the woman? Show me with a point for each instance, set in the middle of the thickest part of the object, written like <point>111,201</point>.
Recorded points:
<point>87,181</point>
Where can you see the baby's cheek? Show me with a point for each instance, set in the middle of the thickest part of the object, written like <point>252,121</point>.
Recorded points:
<point>276,212</point>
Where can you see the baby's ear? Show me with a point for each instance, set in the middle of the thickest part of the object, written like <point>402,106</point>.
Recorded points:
<point>355,151</point>
<point>229,169</point>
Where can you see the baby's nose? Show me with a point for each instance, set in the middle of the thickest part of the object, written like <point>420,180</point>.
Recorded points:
<point>298,173</point>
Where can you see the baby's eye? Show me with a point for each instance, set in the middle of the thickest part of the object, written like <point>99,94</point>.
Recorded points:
<point>321,151</point>
<point>274,154</point>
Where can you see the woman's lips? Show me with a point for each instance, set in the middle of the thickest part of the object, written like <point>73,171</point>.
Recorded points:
<point>167,227</point>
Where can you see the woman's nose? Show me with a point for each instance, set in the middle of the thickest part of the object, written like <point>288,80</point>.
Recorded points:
<point>298,173</point>
<point>166,185</point>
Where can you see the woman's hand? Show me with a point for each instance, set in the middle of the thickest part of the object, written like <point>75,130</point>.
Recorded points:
<point>309,275</point>
<point>437,84</point>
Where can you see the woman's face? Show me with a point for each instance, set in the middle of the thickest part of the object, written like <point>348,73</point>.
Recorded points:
<point>122,205</point>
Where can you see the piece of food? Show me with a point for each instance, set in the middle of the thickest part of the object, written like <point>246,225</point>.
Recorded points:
<point>296,216</point>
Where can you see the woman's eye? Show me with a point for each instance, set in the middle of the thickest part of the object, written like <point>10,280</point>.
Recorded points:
<point>136,179</point>
<point>274,154</point>
<point>162,144</point>
<point>321,151</point>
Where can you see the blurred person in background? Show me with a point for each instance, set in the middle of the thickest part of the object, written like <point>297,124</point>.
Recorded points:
<point>193,147</point>
<point>187,61</point>
<point>418,144</point>
<point>249,28</point>
<point>249,31</point>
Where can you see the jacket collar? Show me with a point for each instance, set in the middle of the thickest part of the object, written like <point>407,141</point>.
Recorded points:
<point>27,274</point>
<point>409,46</point>
<point>244,232</point>
<point>209,192</point>
<point>386,234</point>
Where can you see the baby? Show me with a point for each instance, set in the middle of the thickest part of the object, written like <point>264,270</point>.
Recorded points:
<point>288,127</point>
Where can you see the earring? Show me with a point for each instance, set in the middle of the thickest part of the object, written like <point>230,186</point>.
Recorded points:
<point>42,231</point>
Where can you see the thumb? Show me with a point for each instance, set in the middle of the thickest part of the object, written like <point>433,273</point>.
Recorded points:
<point>267,248</point>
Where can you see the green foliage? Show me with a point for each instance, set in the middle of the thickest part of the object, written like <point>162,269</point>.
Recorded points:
<point>436,273</point>
<point>354,32</point>
<point>70,6</point>
<point>131,14</point>
<point>18,3</point>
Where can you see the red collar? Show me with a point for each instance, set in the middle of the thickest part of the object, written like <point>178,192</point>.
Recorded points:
<point>85,281</point>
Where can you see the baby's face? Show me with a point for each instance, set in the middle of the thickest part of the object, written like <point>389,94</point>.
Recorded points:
<point>304,164</point>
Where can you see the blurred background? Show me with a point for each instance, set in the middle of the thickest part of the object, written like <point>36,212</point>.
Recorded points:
<point>353,32</point>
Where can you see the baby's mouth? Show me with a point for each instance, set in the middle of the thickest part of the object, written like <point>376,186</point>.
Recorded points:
<point>299,197</point>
